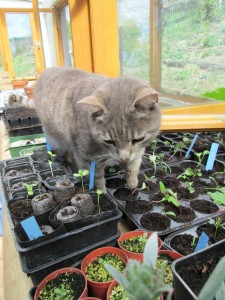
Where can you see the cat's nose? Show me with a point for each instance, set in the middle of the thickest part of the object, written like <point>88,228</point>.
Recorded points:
<point>124,161</point>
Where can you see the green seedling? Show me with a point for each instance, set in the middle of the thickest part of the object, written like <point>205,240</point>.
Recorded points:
<point>81,174</point>
<point>51,155</point>
<point>217,222</point>
<point>219,140</point>
<point>180,146</point>
<point>157,159</point>
<point>168,195</point>
<point>170,213</point>
<point>111,168</point>
<point>189,173</point>
<point>200,156</point>
<point>60,293</point>
<point>29,188</point>
<point>220,173</point>
<point>50,165</point>
<point>219,195</point>
<point>193,243</point>
<point>99,192</point>
<point>190,187</point>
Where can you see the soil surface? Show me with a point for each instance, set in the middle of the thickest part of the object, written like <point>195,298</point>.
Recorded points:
<point>182,243</point>
<point>210,230</point>
<point>124,194</point>
<point>203,206</point>
<point>21,208</point>
<point>155,222</point>
<point>183,214</point>
<point>138,207</point>
<point>114,183</point>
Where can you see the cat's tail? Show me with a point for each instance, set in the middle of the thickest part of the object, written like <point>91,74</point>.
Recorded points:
<point>19,99</point>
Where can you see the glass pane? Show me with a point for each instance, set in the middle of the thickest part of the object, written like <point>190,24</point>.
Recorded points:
<point>48,39</point>
<point>69,34</point>
<point>134,37</point>
<point>193,47</point>
<point>21,45</point>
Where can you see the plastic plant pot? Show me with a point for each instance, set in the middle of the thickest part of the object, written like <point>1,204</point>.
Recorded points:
<point>99,289</point>
<point>135,233</point>
<point>54,275</point>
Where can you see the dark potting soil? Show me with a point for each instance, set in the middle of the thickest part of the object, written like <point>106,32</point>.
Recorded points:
<point>183,243</point>
<point>21,208</point>
<point>139,206</point>
<point>203,206</point>
<point>184,194</point>
<point>124,194</point>
<point>200,271</point>
<point>113,183</point>
<point>210,230</point>
<point>155,222</point>
<point>75,282</point>
<point>183,213</point>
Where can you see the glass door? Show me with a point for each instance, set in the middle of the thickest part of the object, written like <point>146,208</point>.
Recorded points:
<point>21,44</point>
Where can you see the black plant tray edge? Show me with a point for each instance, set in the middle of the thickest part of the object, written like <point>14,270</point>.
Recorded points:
<point>169,230</point>
<point>182,290</point>
<point>168,239</point>
<point>36,276</point>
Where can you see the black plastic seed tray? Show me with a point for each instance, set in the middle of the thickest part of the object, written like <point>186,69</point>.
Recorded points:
<point>153,210</point>
<point>71,260</point>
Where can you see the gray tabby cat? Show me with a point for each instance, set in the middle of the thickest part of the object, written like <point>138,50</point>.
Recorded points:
<point>97,118</point>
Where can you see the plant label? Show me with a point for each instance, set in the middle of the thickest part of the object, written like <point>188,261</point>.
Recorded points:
<point>202,242</point>
<point>191,146</point>
<point>31,228</point>
<point>212,156</point>
<point>92,175</point>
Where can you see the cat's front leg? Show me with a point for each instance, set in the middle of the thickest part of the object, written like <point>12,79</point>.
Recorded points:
<point>100,179</point>
<point>133,171</point>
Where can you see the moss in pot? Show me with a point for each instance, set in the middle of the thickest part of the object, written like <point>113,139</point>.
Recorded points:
<point>96,271</point>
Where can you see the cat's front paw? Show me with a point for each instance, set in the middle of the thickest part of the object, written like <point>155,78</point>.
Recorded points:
<point>100,184</point>
<point>132,182</point>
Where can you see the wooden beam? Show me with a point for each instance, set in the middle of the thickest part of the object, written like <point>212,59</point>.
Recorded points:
<point>38,44</point>
<point>7,56</point>
<point>105,37</point>
<point>155,43</point>
<point>81,35</point>
<point>58,37</point>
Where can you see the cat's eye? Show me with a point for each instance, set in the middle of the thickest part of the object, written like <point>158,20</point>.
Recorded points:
<point>135,141</point>
<point>110,142</point>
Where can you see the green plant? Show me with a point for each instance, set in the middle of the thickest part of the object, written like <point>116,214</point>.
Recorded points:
<point>193,243</point>
<point>118,293</point>
<point>157,159</point>
<point>168,195</point>
<point>179,146</point>
<point>99,192</point>
<point>111,168</point>
<point>96,270</point>
<point>50,165</point>
<point>217,222</point>
<point>164,261</point>
<point>52,155</point>
<point>135,244</point>
<point>29,188</point>
<point>81,174</point>
<point>200,156</point>
<point>190,187</point>
<point>141,280</point>
<point>189,173</point>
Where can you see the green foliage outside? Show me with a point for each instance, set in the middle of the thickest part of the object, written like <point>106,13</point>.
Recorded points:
<point>192,46</point>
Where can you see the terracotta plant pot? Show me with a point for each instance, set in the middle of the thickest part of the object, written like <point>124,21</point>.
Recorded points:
<point>54,275</point>
<point>130,234</point>
<point>90,298</point>
<point>29,91</point>
<point>99,289</point>
<point>111,287</point>
<point>19,84</point>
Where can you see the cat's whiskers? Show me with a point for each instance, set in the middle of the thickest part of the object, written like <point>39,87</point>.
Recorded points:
<point>104,155</point>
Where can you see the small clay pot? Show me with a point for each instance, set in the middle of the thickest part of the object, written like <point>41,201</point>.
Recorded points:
<point>68,214</point>
<point>42,204</point>
<point>84,203</point>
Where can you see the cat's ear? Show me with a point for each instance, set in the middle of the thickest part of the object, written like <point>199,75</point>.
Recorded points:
<point>97,105</point>
<point>145,101</point>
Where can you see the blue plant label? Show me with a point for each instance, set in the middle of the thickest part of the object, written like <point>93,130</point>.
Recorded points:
<point>212,156</point>
<point>31,228</point>
<point>191,146</point>
<point>202,242</point>
<point>92,175</point>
